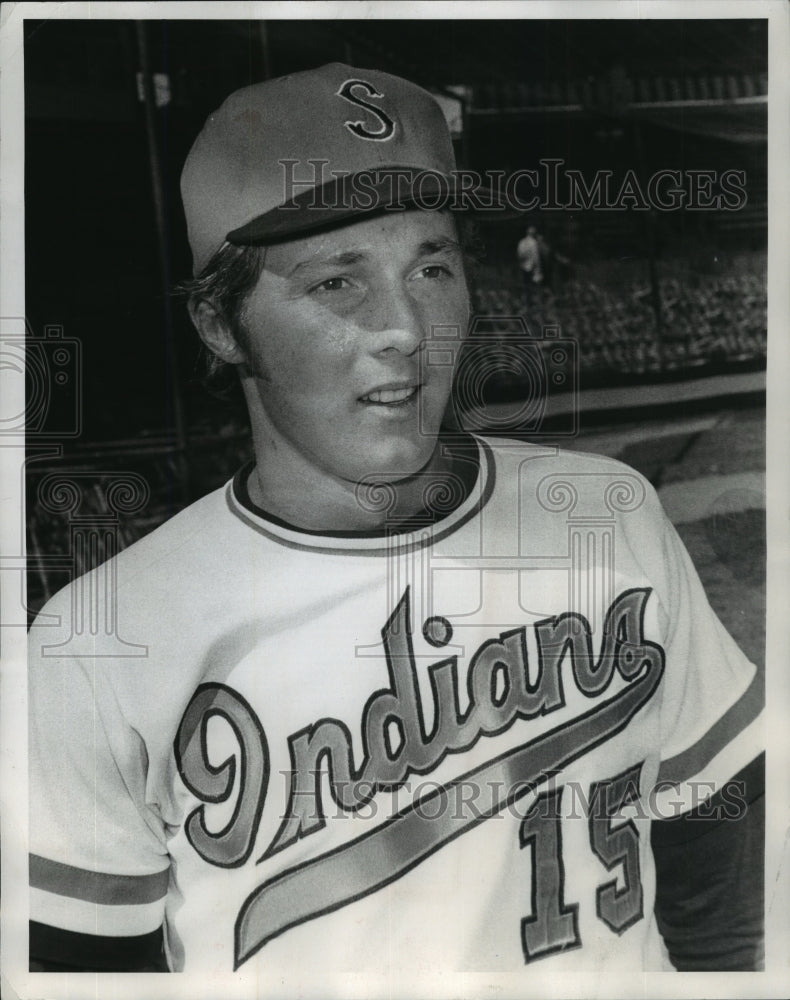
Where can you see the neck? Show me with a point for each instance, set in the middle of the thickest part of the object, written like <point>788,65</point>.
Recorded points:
<point>338,505</point>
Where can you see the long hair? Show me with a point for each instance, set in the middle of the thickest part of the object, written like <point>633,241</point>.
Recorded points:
<point>226,281</point>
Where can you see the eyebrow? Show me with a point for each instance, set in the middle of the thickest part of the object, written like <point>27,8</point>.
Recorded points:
<point>344,259</point>
<point>440,244</point>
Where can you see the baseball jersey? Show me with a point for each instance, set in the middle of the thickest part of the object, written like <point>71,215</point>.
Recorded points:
<point>433,751</point>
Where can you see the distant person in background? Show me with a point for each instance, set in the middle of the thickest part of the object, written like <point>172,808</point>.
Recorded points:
<point>528,253</point>
<point>547,260</point>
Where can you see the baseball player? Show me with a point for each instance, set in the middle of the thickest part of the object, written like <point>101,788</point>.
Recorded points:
<point>396,710</point>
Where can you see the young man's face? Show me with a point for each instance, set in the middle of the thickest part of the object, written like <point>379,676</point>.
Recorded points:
<point>338,336</point>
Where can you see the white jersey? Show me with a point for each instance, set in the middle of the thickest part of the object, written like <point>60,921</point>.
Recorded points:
<point>430,752</point>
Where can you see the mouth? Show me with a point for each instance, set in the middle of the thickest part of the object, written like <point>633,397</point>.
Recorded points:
<point>390,395</point>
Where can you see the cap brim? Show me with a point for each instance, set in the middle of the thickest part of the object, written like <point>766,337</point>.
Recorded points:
<point>346,198</point>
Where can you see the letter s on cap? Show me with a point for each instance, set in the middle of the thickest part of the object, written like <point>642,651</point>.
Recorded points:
<point>387,125</point>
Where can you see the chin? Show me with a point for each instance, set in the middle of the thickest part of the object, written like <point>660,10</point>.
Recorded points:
<point>394,461</point>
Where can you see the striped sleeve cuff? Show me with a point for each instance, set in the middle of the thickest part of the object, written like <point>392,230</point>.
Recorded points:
<point>92,902</point>
<point>729,745</point>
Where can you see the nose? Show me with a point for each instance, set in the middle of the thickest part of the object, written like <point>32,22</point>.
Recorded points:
<point>393,320</point>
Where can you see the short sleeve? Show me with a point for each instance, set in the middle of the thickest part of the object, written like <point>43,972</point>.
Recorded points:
<point>98,858</point>
<point>712,699</point>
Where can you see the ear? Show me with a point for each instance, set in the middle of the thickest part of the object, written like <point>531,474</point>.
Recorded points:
<point>215,331</point>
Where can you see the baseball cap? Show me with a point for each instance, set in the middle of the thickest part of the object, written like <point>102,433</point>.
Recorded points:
<point>299,153</point>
